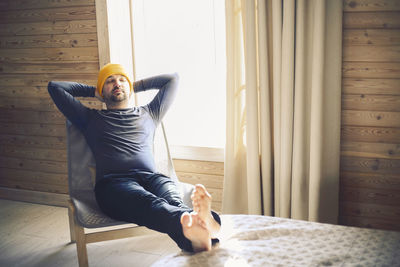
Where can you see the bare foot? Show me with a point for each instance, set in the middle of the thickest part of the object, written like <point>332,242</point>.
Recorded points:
<point>195,232</point>
<point>201,201</point>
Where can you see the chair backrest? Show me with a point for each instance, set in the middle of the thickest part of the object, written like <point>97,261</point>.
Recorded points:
<point>161,152</point>
<point>81,163</point>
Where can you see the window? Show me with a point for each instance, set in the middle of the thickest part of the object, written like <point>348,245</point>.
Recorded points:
<point>188,37</point>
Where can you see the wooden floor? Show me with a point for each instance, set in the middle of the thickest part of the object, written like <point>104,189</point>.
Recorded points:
<point>38,235</point>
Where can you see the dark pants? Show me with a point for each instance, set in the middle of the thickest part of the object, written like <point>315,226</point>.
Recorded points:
<point>145,198</point>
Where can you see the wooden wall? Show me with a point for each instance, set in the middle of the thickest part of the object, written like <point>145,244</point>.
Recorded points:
<point>208,173</point>
<point>370,137</point>
<point>40,41</point>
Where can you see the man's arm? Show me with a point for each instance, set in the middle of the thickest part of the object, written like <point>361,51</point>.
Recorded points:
<point>167,85</point>
<point>63,95</point>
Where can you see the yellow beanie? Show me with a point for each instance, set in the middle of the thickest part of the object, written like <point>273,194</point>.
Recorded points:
<point>108,70</point>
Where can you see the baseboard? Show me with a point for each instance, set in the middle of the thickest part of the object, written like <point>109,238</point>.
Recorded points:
<point>52,199</point>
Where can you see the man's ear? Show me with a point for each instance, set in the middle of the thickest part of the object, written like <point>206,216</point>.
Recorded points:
<point>98,96</point>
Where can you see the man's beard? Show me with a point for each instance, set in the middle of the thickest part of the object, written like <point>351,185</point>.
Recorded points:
<point>117,98</point>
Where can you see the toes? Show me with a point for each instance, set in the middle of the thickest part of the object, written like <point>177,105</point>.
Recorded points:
<point>186,219</point>
<point>201,190</point>
<point>201,199</point>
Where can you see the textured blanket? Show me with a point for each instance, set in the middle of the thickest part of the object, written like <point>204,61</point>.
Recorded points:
<point>248,240</point>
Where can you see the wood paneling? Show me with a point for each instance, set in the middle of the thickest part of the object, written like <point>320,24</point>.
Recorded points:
<point>32,129</point>
<point>370,150</point>
<point>49,41</point>
<point>371,20</point>
<point>41,104</point>
<point>34,176</point>
<point>379,53</point>
<point>367,86</point>
<point>49,166</point>
<point>49,55</point>
<point>373,196</point>
<point>371,5</point>
<point>21,91</point>
<point>42,80</point>
<point>370,137</point>
<point>48,27</point>
<point>211,181</point>
<point>370,210</point>
<point>203,167</point>
<point>375,165</point>
<point>370,134</point>
<point>370,118</point>
<point>370,180</point>
<point>28,116</point>
<point>381,37</point>
<point>371,102</point>
<point>40,41</point>
<point>208,173</point>
<point>37,4</point>
<point>24,152</point>
<point>369,222</point>
<point>377,70</point>
<point>48,14</point>
<point>40,68</point>
<point>48,142</point>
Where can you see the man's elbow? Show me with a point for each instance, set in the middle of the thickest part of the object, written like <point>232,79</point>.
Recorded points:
<point>50,85</point>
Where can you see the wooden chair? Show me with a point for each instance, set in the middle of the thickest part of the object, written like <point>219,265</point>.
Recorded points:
<point>83,211</point>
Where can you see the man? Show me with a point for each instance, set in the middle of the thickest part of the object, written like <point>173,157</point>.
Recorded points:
<point>128,188</point>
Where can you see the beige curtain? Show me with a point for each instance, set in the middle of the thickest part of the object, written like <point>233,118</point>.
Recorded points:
<point>283,108</point>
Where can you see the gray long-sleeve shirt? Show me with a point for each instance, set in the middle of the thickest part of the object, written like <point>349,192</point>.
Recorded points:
<point>121,139</point>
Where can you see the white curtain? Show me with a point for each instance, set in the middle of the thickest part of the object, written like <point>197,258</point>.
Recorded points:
<point>283,108</point>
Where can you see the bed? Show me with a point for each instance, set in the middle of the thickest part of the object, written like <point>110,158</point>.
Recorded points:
<point>251,240</point>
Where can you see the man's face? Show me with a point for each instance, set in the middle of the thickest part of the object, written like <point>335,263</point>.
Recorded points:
<point>116,88</point>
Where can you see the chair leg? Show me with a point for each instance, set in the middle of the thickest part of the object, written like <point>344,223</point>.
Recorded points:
<point>81,245</point>
<point>71,217</point>
<point>77,233</point>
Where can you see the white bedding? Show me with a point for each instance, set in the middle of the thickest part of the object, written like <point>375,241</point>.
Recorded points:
<point>248,240</point>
